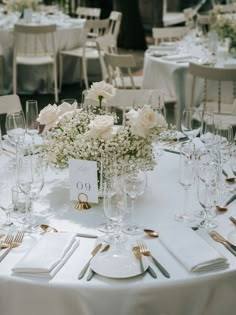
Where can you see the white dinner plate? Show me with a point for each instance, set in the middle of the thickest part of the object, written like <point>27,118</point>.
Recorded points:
<point>118,263</point>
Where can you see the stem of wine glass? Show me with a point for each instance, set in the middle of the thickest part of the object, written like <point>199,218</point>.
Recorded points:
<point>185,212</point>
<point>132,210</point>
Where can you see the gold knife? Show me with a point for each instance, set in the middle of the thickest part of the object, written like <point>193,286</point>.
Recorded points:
<point>91,272</point>
<point>93,253</point>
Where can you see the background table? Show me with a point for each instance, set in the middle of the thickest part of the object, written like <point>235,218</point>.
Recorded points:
<point>70,34</point>
<point>211,293</point>
<point>173,78</point>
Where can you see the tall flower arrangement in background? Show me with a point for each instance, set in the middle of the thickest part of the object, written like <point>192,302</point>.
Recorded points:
<point>20,5</point>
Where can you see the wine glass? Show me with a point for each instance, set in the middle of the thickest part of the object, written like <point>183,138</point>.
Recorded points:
<point>15,128</point>
<point>114,204</point>
<point>32,124</point>
<point>30,181</point>
<point>24,182</point>
<point>207,135</point>
<point>134,184</point>
<point>191,122</point>
<point>186,179</point>
<point>207,197</point>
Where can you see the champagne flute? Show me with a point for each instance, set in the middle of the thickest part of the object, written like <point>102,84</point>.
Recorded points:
<point>114,204</point>
<point>134,182</point>
<point>31,118</point>
<point>186,179</point>
<point>191,122</point>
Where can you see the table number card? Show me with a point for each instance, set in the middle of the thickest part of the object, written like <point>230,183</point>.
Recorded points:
<point>83,179</point>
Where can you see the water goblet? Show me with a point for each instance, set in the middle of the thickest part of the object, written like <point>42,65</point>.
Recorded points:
<point>134,184</point>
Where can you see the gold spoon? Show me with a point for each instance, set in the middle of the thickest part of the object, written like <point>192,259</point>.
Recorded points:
<point>151,233</point>
<point>228,179</point>
<point>48,228</point>
<point>225,208</point>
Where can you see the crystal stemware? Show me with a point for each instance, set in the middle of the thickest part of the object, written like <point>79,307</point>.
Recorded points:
<point>114,204</point>
<point>186,178</point>
<point>15,128</point>
<point>134,184</point>
<point>32,124</point>
<point>191,122</point>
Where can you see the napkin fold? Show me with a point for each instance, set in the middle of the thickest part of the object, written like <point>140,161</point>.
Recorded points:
<point>178,57</point>
<point>191,250</point>
<point>49,254</point>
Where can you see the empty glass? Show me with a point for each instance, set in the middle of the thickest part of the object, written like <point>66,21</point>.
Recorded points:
<point>114,204</point>
<point>191,122</point>
<point>134,184</point>
<point>32,124</point>
<point>186,179</point>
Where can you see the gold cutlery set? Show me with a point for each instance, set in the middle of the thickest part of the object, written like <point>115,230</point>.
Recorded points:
<point>10,242</point>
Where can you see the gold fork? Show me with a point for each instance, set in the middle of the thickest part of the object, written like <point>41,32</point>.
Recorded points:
<point>13,243</point>
<point>6,242</point>
<point>146,252</point>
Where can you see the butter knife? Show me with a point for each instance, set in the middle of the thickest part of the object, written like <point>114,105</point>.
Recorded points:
<point>93,253</point>
<point>91,272</point>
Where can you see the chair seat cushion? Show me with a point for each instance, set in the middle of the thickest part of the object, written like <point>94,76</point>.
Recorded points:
<point>39,60</point>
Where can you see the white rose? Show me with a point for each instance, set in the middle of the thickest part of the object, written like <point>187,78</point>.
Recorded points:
<point>66,107</point>
<point>142,120</point>
<point>48,116</point>
<point>101,89</point>
<point>101,127</point>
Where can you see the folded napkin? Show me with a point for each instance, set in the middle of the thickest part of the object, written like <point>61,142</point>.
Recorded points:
<point>191,250</point>
<point>48,255</point>
<point>178,57</point>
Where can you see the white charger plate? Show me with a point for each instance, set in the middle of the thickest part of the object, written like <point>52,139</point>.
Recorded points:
<point>117,263</point>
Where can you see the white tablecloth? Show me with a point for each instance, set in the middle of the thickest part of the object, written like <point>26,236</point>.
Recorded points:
<point>69,35</point>
<point>172,77</point>
<point>211,293</point>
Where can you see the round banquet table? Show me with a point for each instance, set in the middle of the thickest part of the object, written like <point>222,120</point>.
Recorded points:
<point>167,69</point>
<point>70,34</point>
<point>211,293</point>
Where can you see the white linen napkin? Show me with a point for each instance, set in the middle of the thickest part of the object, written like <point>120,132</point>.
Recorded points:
<point>191,250</point>
<point>48,255</point>
<point>178,57</point>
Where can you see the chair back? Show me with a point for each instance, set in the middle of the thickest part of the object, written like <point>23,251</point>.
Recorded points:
<point>96,28</point>
<point>168,33</point>
<point>214,74</point>
<point>10,104</point>
<point>34,41</point>
<point>119,66</point>
<point>88,13</point>
<point>114,23</point>
<point>105,43</point>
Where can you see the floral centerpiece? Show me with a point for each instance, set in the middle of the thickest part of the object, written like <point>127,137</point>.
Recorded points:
<point>72,133</point>
<point>225,26</point>
<point>20,5</point>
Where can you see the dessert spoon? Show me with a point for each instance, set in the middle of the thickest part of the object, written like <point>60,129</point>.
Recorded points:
<point>151,233</point>
<point>224,207</point>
